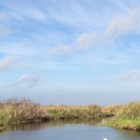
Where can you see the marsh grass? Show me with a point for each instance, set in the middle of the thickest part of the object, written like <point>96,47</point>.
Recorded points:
<point>126,116</point>
<point>111,110</point>
<point>20,111</point>
<point>17,111</point>
<point>64,112</point>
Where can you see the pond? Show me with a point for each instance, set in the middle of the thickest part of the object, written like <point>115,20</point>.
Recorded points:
<point>66,130</point>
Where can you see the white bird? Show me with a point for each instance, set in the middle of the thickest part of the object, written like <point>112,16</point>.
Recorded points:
<point>104,139</point>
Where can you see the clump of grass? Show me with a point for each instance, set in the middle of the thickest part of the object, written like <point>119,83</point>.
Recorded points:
<point>130,111</point>
<point>94,111</point>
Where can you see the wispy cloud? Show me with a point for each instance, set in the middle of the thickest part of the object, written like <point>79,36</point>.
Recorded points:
<point>4,30</point>
<point>119,24</point>
<point>7,62</point>
<point>37,14</point>
<point>86,40</point>
<point>134,74</point>
<point>60,49</point>
<point>25,10</point>
<point>30,79</point>
<point>4,24</point>
<point>3,16</point>
<point>125,23</point>
<point>26,78</point>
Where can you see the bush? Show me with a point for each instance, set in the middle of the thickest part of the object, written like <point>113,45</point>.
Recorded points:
<point>14,110</point>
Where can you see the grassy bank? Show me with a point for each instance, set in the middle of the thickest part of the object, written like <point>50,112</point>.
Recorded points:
<point>65,112</point>
<point>19,111</point>
<point>125,116</point>
<point>23,111</point>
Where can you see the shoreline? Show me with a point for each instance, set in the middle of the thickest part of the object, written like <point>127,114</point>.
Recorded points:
<point>25,111</point>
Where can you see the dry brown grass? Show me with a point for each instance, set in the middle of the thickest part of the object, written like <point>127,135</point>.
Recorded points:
<point>25,110</point>
<point>63,111</point>
<point>111,110</point>
<point>21,110</point>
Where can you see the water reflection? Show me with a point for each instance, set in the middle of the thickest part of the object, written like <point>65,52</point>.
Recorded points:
<point>76,129</point>
<point>52,123</point>
<point>129,134</point>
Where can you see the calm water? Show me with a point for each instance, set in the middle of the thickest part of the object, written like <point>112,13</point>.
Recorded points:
<point>66,130</point>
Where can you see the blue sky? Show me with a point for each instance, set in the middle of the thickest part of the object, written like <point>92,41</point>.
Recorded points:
<point>72,52</point>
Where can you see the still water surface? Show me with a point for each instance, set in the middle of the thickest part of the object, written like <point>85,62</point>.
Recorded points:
<point>66,130</point>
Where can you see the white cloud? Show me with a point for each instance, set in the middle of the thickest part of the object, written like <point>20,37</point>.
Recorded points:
<point>135,74</point>
<point>26,78</point>
<point>3,16</point>
<point>35,13</point>
<point>60,49</point>
<point>31,80</point>
<point>86,40</point>
<point>4,24</point>
<point>24,9</point>
<point>95,68</point>
<point>4,30</point>
<point>124,23</point>
<point>7,62</point>
<point>119,24</point>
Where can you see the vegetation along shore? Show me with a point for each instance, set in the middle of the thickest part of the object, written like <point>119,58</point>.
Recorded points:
<point>25,111</point>
<point>125,116</point>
